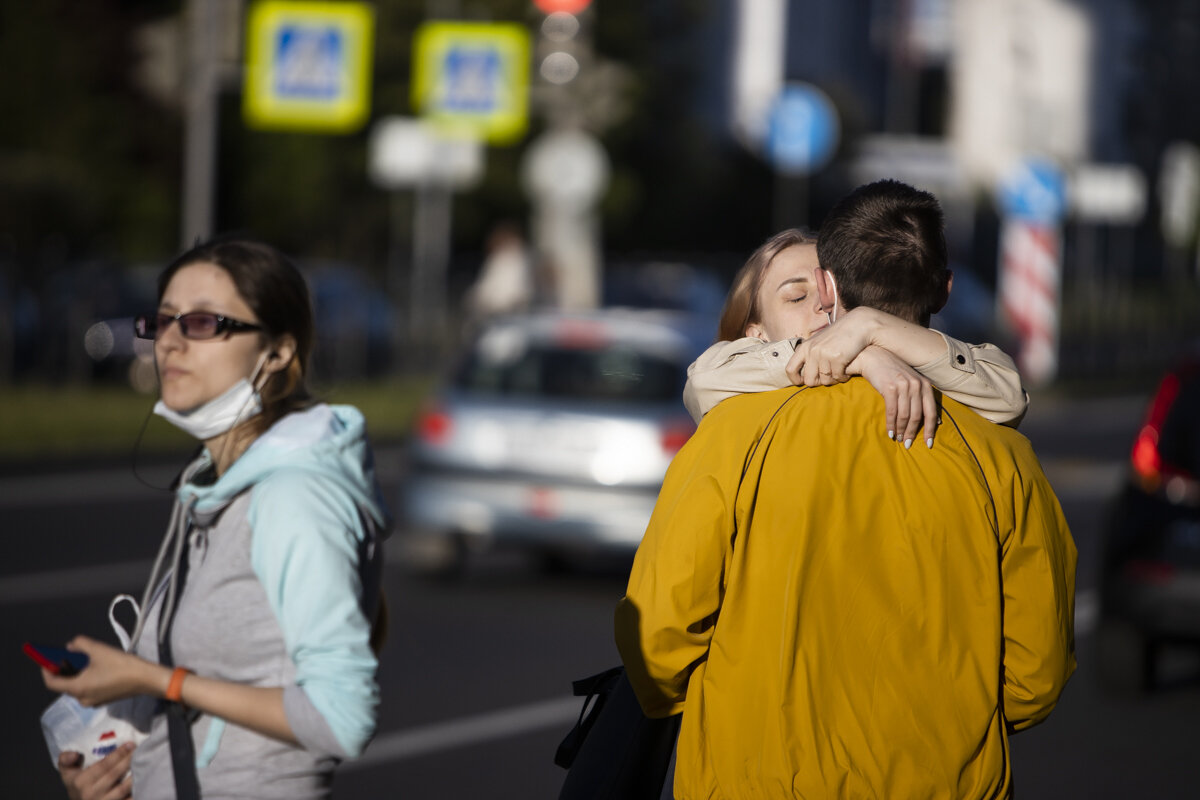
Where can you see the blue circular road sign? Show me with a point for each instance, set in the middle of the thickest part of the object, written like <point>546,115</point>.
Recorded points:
<point>802,129</point>
<point>1035,191</point>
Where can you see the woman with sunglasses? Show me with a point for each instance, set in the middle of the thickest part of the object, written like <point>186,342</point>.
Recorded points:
<point>256,629</point>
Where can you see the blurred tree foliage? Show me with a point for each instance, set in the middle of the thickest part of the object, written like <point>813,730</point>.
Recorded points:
<point>90,158</point>
<point>679,185</point>
<point>88,163</point>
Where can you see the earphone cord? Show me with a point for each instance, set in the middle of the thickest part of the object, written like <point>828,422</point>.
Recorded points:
<point>238,419</point>
<point>137,448</point>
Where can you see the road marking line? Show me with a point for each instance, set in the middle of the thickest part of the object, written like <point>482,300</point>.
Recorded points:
<point>118,483</point>
<point>76,488</point>
<point>466,731</point>
<point>64,584</point>
<point>1087,612</point>
<point>1078,478</point>
<point>441,736</point>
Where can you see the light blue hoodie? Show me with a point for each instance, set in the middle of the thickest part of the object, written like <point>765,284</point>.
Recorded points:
<point>283,584</point>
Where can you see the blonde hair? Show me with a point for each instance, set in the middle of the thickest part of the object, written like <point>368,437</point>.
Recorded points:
<point>741,304</point>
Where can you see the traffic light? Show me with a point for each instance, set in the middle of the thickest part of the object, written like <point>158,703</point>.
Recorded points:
<point>568,6</point>
<point>562,47</point>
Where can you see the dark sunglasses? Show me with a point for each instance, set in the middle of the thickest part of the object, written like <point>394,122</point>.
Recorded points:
<point>194,325</point>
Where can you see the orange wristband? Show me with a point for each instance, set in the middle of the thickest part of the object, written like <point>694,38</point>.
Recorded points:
<point>175,686</point>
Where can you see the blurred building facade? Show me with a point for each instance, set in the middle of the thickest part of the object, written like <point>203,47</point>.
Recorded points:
<point>952,95</point>
<point>941,93</point>
<point>996,80</point>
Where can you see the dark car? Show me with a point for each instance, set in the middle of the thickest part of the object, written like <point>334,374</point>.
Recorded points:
<point>554,433</point>
<point>93,304</point>
<point>353,319</point>
<point>1150,590</point>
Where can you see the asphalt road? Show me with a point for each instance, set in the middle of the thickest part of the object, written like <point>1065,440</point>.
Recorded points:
<point>476,674</point>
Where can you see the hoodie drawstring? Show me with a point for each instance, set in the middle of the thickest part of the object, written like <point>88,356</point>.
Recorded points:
<point>176,533</point>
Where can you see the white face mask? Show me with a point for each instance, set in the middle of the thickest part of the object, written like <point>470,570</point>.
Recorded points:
<point>832,313</point>
<point>224,413</point>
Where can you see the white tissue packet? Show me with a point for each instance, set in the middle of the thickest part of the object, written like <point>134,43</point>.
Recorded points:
<point>94,732</point>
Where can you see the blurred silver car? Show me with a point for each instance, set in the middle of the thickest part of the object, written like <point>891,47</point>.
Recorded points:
<point>554,433</point>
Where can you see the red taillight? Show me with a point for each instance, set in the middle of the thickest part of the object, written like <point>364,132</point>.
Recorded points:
<point>675,434</point>
<point>543,502</point>
<point>1146,458</point>
<point>584,334</point>
<point>433,425</point>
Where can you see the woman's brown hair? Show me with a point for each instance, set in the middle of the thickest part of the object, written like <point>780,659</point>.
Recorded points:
<point>741,304</point>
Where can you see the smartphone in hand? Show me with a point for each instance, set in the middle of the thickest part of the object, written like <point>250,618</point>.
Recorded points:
<point>58,660</point>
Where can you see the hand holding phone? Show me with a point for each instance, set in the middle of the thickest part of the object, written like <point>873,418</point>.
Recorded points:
<point>57,660</point>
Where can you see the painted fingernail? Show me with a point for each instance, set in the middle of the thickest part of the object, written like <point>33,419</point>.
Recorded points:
<point>891,434</point>
<point>929,443</point>
<point>907,443</point>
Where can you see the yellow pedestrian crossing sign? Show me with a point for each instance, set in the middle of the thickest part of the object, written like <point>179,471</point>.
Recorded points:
<point>473,78</point>
<point>308,65</point>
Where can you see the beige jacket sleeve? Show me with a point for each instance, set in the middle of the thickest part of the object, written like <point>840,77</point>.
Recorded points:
<point>737,367</point>
<point>980,376</point>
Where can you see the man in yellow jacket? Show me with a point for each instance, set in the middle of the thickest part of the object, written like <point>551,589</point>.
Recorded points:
<point>834,614</point>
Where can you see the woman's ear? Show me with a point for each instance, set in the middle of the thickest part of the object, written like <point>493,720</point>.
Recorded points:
<point>282,351</point>
<point>755,331</point>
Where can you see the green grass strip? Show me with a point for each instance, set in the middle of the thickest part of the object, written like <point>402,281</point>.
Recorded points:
<point>66,421</point>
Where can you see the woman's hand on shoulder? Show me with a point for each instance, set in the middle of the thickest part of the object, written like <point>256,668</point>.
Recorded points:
<point>908,399</point>
<point>111,674</point>
<point>107,779</point>
<point>823,358</point>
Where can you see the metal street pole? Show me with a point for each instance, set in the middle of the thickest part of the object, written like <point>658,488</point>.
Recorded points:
<point>203,22</point>
<point>430,271</point>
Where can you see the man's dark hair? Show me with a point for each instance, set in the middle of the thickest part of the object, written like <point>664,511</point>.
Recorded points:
<point>885,245</point>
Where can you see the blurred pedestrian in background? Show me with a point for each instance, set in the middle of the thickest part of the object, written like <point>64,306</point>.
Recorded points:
<point>836,615</point>
<point>261,620</point>
<point>505,284</point>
